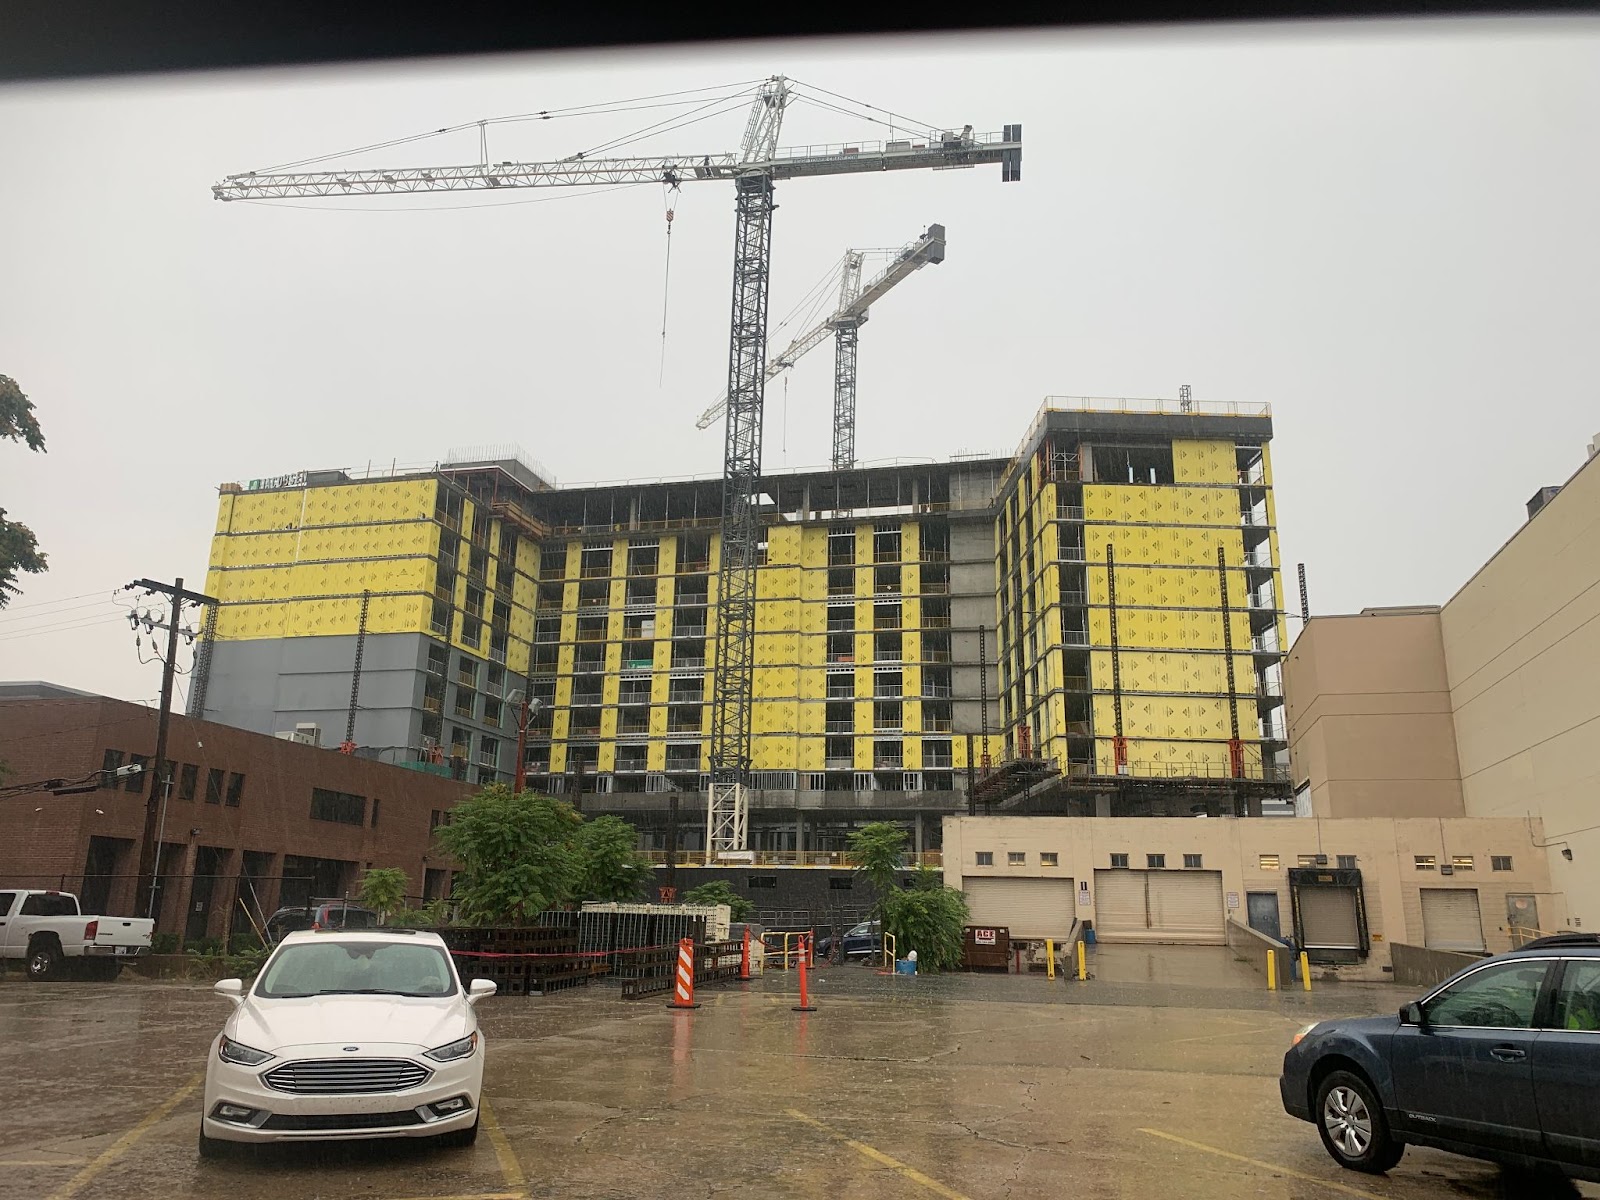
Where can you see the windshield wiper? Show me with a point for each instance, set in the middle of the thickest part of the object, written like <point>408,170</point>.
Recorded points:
<point>373,992</point>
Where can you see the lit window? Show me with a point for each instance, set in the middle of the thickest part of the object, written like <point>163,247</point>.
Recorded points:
<point>1461,862</point>
<point>1306,860</point>
<point>985,858</point>
<point>1155,862</point>
<point>1016,858</point>
<point>1426,862</point>
<point>1049,858</point>
<point>1192,861</point>
<point>1267,862</point>
<point>1119,860</point>
<point>1500,862</point>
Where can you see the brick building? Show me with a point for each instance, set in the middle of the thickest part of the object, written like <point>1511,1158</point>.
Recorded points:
<point>251,821</point>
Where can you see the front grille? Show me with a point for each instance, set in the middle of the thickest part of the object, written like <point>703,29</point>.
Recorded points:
<point>338,1121</point>
<point>338,1076</point>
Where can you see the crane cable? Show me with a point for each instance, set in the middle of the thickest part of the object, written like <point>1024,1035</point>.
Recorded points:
<point>669,187</point>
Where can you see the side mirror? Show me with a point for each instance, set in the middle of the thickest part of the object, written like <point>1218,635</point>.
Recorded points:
<point>479,988</point>
<point>233,989</point>
<point>1412,1014</point>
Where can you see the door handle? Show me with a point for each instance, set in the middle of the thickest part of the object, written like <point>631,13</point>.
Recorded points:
<point>1509,1053</point>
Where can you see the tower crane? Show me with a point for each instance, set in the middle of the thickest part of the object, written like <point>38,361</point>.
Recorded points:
<point>846,323</point>
<point>753,170</point>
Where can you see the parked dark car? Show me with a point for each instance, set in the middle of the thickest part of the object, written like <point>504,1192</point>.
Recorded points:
<point>333,914</point>
<point>859,941</point>
<point>1501,1061</point>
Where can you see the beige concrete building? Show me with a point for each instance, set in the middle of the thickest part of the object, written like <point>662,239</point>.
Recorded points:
<point>1345,890</point>
<point>1486,707</point>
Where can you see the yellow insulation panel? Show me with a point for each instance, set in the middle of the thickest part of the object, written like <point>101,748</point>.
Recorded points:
<point>1155,505</point>
<point>1204,462</point>
<point>1177,629</point>
<point>322,617</point>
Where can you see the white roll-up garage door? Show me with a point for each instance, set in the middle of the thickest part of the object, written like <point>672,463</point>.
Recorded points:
<point>1029,908</point>
<point>1451,920</point>
<point>1328,917</point>
<point>1159,906</point>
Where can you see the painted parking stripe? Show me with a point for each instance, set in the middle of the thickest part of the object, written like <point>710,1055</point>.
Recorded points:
<point>122,1145</point>
<point>1265,1166</point>
<point>878,1156</point>
<point>510,1168</point>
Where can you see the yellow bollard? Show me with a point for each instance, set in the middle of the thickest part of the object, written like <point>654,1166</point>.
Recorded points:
<point>1049,958</point>
<point>1272,970</point>
<point>1083,963</point>
<point>1305,969</point>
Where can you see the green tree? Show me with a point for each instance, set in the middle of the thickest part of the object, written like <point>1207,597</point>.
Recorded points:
<point>879,849</point>
<point>19,549</point>
<point>609,863</point>
<point>383,889</point>
<point>720,891</point>
<point>930,920</point>
<point>518,854</point>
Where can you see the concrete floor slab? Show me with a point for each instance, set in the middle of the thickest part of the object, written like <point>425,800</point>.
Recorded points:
<point>953,1086</point>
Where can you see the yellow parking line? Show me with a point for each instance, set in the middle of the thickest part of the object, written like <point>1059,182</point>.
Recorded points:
<point>1265,1166</point>
<point>878,1156</point>
<point>121,1146</point>
<point>40,1162</point>
<point>510,1168</point>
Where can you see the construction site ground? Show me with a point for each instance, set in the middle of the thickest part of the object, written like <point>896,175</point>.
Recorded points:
<point>1152,1080</point>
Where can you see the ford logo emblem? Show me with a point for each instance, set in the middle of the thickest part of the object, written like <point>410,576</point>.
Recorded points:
<point>348,1049</point>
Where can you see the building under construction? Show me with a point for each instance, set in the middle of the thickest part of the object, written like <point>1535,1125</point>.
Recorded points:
<point>1090,626</point>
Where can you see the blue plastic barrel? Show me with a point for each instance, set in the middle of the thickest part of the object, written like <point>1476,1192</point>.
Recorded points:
<point>905,966</point>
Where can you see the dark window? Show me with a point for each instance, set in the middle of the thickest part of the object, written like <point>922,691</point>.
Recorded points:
<point>841,885</point>
<point>1500,862</point>
<point>1192,861</point>
<point>440,816</point>
<point>1497,997</point>
<point>188,782</point>
<point>214,778</point>
<point>1347,862</point>
<point>135,783</point>
<point>1155,862</point>
<point>235,789</point>
<point>343,807</point>
<point>983,858</point>
<point>1119,860</point>
<point>109,764</point>
<point>7,899</point>
<point>44,904</point>
<point>375,803</point>
<point>762,881</point>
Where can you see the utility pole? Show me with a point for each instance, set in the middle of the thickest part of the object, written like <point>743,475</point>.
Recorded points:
<point>162,779</point>
<point>525,713</point>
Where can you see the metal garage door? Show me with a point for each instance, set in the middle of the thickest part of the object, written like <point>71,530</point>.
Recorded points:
<point>1159,906</point>
<point>1328,917</point>
<point>1450,919</point>
<point>1030,908</point>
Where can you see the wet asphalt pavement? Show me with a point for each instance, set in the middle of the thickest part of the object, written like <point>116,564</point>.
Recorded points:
<point>1156,1078</point>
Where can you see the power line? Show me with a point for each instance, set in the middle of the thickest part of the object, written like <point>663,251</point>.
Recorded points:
<point>75,623</point>
<point>11,608</point>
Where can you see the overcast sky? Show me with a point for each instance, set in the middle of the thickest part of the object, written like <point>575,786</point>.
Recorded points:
<point>1387,233</point>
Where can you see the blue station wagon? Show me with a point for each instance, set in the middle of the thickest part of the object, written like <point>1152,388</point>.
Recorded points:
<point>1501,1062</point>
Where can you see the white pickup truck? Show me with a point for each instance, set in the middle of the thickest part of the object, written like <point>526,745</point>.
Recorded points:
<point>46,930</point>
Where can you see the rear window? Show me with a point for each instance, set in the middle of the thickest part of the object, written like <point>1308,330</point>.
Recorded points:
<point>7,899</point>
<point>339,917</point>
<point>42,905</point>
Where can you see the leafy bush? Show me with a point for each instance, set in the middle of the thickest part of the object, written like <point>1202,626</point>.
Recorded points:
<point>611,867</point>
<point>163,943</point>
<point>880,849</point>
<point>433,915</point>
<point>720,891</point>
<point>929,920</point>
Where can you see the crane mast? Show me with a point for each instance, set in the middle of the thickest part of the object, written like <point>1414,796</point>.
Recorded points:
<point>753,171</point>
<point>845,323</point>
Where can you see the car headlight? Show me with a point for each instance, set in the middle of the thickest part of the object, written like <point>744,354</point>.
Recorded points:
<point>1300,1036</point>
<point>230,1051</point>
<point>455,1050</point>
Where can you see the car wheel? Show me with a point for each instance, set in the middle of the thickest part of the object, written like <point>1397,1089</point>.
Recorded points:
<point>212,1148</point>
<point>44,961</point>
<point>460,1137</point>
<point>1352,1125</point>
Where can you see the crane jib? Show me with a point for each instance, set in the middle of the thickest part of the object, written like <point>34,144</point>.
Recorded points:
<point>968,150</point>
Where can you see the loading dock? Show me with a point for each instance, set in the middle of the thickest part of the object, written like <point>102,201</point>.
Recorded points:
<point>1178,907</point>
<point>1451,919</point>
<point>1031,908</point>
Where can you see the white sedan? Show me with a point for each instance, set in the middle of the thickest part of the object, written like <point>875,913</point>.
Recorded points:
<point>348,1035</point>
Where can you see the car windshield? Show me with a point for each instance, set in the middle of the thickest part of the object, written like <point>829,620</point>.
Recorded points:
<point>334,968</point>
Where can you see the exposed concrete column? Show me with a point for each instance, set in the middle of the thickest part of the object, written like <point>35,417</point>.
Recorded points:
<point>633,511</point>
<point>799,833</point>
<point>1102,804</point>
<point>919,838</point>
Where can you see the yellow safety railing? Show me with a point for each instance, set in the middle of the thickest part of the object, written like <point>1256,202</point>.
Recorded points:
<point>792,947</point>
<point>890,956</point>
